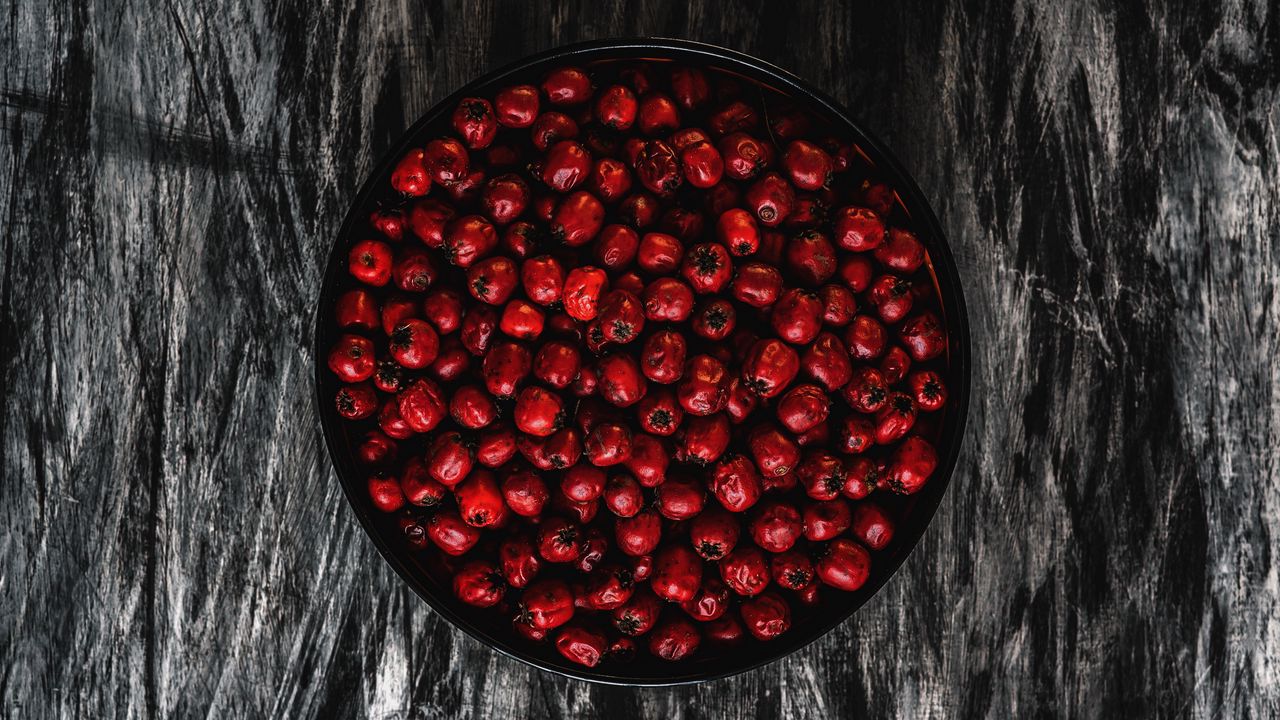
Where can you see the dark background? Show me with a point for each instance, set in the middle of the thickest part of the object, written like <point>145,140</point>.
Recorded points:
<point>174,540</point>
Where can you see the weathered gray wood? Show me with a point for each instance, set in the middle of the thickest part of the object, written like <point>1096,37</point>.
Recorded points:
<point>175,542</point>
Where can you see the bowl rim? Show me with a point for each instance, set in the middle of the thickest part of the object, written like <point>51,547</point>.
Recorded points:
<point>946,275</point>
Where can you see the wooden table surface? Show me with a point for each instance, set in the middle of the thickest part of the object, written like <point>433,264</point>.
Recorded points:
<point>175,542</point>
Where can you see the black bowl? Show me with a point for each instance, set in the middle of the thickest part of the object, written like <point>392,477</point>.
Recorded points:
<point>915,511</point>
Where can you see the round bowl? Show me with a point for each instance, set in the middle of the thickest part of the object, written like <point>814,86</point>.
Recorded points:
<point>915,511</point>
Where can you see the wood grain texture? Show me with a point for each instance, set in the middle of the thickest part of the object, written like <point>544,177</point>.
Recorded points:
<point>175,544</point>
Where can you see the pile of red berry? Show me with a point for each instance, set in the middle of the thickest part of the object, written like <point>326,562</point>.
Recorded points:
<point>641,356</point>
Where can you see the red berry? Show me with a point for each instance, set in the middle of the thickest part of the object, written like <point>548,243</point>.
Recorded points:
<point>865,338</point>
<point>667,300</point>
<point>776,526</point>
<point>567,86</point>
<point>516,107</point>
<point>552,127</point>
<point>522,320</point>
<point>911,465</point>
<point>559,541</point>
<point>838,305</point>
<point>707,268</point>
<point>450,363</point>
<point>639,534</point>
<point>581,645</point>
<point>867,391</point>
<point>649,460</point>
<point>370,262</point>
<point>797,316</point>
<point>757,285</point>
<point>519,560</point>
<point>861,477</point>
<point>448,460</point>
<point>616,247</point>
<point>449,533</point>
<point>733,117</point>
<point>845,566</point>
<point>657,115</point>
<point>737,230</point>
<point>566,166</point>
<point>505,197</point>
<point>547,604</point>
<point>928,390</point>
<point>616,107</point>
<point>428,219</point>
<point>421,405</point>
<point>858,229</point>
<point>610,180</point>
<point>356,309</point>
<point>352,359</point>
<point>745,571</point>
<point>385,492</point>
<point>659,253</point>
<point>872,526</point>
<point>621,382</point>
<point>811,257</point>
<point>703,439</point>
<point>468,239</point>
<point>735,483</point>
<point>857,434</point>
<point>505,366</point>
<point>767,616</point>
<point>771,199</point>
<point>663,358</point>
<point>808,165</point>
<point>410,176</point>
<point>538,411</point>
<point>418,486</point>
<point>582,290</point>
<point>775,454</point>
<point>659,412</point>
<point>690,87</point>
<point>621,317</point>
<point>525,493</point>
<point>701,164</point>
<point>639,614</point>
<point>714,534</point>
<point>895,419</point>
<point>608,444</point>
<point>443,308</point>
<point>658,168</point>
<point>792,570</point>
<point>901,251</point>
<point>557,364</point>
<point>543,279</point>
<point>703,390</point>
<point>856,271</point>
<point>724,631</point>
<point>496,445</point>
<point>447,160</point>
<point>826,520</point>
<point>680,499</point>
<point>623,496</point>
<point>583,483</point>
<point>414,344</point>
<point>710,603</point>
<point>715,319</point>
<point>474,120</point>
<point>677,574</point>
<point>376,449</point>
<point>479,583</point>
<point>822,475</point>
<point>744,156</point>
<point>472,407</point>
<point>769,367</point>
<point>675,639</point>
<point>803,407</point>
<point>924,337</point>
<point>480,503</point>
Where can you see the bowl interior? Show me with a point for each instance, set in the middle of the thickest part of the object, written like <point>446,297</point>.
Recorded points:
<point>778,89</point>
